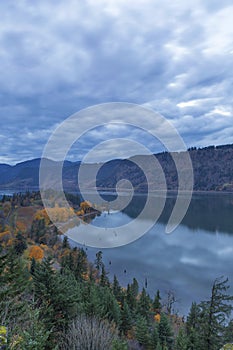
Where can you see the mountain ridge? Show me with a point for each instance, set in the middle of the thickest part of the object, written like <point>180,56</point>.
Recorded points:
<point>212,168</point>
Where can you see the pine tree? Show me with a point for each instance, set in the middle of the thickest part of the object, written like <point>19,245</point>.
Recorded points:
<point>35,336</point>
<point>181,342</point>
<point>156,303</point>
<point>193,327</point>
<point>14,280</point>
<point>126,319</point>
<point>141,332</point>
<point>144,305</point>
<point>154,337</point>
<point>135,288</point>
<point>65,243</point>
<point>130,297</point>
<point>80,264</point>
<point>19,244</point>
<point>104,281</point>
<point>116,288</point>
<point>57,295</point>
<point>165,332</point>
<point>98,260</point>
<point>215,313</point>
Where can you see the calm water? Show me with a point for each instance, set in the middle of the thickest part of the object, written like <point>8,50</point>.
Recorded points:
<point>186,261</point>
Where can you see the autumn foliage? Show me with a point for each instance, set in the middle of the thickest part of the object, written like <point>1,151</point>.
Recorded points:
<point>36,252</point>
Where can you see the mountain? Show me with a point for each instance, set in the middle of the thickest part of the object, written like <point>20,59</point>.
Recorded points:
<point>212,166</point>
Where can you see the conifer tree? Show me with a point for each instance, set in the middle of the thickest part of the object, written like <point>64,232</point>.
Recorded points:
<point>154,337</point>
<point>181,342</point>
<point>165,332</point>
<point>156,303</point>
<point>215,313</point>
<point>144,305</point>
<point>116,288</point>
<point>14,280</point>
<point>193,327</point>
<point>126,319</point>
<point>141,332</point>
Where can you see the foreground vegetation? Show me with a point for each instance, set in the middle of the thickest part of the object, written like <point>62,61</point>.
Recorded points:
<point>52,297</point>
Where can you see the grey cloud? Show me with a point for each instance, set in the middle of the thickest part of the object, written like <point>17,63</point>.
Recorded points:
<point>57,58</point>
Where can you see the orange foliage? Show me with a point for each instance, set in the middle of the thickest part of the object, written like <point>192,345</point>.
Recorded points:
<point>21,226</point>
<point>36,253</point>
<point>157,318</point>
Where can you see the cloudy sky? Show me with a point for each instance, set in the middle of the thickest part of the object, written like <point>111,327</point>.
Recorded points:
<point>58,57</point>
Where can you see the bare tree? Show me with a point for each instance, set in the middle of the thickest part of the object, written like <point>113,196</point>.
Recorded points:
<point>89,333</point>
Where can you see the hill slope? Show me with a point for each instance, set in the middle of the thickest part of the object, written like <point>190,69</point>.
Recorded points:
<point>213,171</point>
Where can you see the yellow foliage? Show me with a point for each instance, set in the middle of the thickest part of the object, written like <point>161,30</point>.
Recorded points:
<point>157,318</point>
<point>42,214</point>
<point>3,335</point>
<point>36,252</point>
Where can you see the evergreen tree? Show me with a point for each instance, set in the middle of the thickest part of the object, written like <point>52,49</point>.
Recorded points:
<point>98,260</point>
<point>130,297</point>
<point>14,280</point>
<point>135,288</point>
<point>116,288</point>
<point>141,332</point>
<point>104,281</point>
<point>156,303</point>
<point>80,264</point>
<point>108,305</point>
<point>126,319</point>
<point>144,305</point>
<point>165,332</point>
<point>65,243</point>
<point>154,338</point>
<point>181,342</point>
<point>215,313</point>
<point>35,336</point>
<point>19,244</point>
<point>193,327</point>
<point>57,296</point>
<point>228,335</point>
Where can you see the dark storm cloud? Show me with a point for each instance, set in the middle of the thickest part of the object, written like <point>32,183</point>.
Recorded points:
<point>59,57</point>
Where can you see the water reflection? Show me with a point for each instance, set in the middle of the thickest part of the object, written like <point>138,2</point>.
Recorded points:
<point>188,260</point>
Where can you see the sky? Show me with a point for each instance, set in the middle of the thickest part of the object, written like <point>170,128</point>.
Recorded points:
<point>58,57</point>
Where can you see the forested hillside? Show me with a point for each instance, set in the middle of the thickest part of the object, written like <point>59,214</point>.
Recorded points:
<point>212,168</point>
<point>52,297</point>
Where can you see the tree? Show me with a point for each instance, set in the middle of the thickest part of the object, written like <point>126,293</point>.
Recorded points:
<point>104,281</point>
<point>154,338</point>
<point>57,295</point>
<point>80,262</point>
<point>215,313</point>
<point>20,243</point>
<point>89,333</point>
<point>144,304</point>
<point>181,342</point>
<point>36,252</point>
<point>156,303</point>
<point>141,332</point>
<point>126,319</point>
<point>134,288</point>
<point>193,327</point>
<point>14,280</point>
<point>35,336</point>
<point>130,297</point>
<point>98,260</point>
<point>165,332</point>
<point>65,243</point>
<point>116,288</point>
